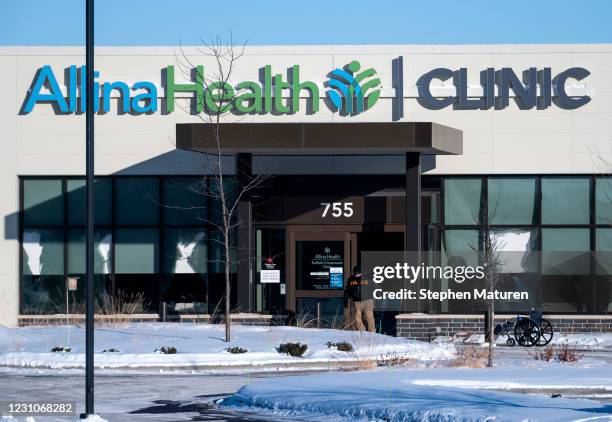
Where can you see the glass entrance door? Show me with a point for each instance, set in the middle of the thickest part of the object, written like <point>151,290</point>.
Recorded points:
<point>319,266</point>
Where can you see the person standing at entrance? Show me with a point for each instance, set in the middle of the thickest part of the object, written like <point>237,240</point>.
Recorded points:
<point>358,290</point>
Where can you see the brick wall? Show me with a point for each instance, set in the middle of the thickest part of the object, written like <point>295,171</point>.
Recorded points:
<point>237,319</point>
<point>424,327</point>
<point>59,319</point>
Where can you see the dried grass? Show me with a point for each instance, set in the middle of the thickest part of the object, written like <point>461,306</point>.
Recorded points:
<point>365,351</point>
<point>560,354</point>
<point>546,354</point>
<point>119,309</point>
<point>471,357</point>
<point>567,355</point>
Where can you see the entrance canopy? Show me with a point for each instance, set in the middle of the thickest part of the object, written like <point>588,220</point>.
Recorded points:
<point>322,138</point>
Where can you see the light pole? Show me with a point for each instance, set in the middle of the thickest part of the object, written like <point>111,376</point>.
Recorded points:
<point>89,220</point>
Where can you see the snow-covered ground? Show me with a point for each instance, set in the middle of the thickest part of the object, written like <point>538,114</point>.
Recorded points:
<point>90,418</point>
<point>594,341</point>
<point>200,346</point>
<point>443,394</point>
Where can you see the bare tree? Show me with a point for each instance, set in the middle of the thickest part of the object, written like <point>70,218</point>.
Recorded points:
<point>219,96</point>
<point>490,252</point>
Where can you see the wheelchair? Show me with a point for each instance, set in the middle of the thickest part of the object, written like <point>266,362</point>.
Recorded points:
<point>526,331</point>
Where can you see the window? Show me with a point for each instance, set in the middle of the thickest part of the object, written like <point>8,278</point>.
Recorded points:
<point>330,309</point>
<point>137,201</point>
<point>603,200</point>
<point>185,201</point>
<point>462,201</point>
<point>43,251</point>
<point>75,189</point>
<point>102,251</point>
<point>565,251</point>
<point>565,200</point>
<point>319,265</point>
<point>544,224</point>
<point>43,288</point>
<point>603,249</point>
<point>157,241</point>
<point>518,247</point>
<point>270,255</point>
<point>136,251</point>
<point>185,251</point>
<point>43,203</point>
<point>459,247</point>
<point>512,201</point>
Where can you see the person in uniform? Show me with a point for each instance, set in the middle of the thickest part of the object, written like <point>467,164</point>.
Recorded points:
<point>358,290</point>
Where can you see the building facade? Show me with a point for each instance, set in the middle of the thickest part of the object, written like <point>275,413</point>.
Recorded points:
<point>432,142</point>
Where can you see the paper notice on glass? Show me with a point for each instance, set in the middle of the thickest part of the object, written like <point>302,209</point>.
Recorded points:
<point>270,276</point>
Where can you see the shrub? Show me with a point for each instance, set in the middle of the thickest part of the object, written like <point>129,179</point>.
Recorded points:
<point>61,349</point>
<point>471,357</point>
<point>343,346</point>
<point>565,354</point>
<point>166,350</point>
<point>545,354</point>
<point>111,350</point>
<point>293,349</point>
<point>236,350</point>
<point>561,354</point>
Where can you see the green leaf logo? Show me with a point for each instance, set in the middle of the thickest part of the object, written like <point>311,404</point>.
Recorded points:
<point>353,92</point>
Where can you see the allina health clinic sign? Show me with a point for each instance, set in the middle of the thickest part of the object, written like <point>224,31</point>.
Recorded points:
<point>349,90</point>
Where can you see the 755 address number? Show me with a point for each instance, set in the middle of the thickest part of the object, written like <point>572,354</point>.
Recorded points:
<point>337,209</point>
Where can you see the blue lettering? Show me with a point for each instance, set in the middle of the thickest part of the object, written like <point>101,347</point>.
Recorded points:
<point>149,98</point>
<point>107,88</point>
<point>46,78</point>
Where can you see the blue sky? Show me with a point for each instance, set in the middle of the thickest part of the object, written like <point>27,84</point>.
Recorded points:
<point>169,22</point>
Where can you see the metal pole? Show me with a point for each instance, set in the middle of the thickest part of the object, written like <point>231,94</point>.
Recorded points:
<point>89,183</point>
<point>412,239</point>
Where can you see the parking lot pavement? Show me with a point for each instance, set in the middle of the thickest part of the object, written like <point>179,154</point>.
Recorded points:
<point>123,398</point>
<point>191,397</point>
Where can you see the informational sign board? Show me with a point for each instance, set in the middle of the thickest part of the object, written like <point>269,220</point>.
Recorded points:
<point>335,278</point>
<point>72,283</point>
<point>270,276</point>
<point>315,259</point>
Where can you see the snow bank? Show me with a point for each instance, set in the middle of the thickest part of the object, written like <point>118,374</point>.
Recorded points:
<point>391,395</point>
<point>200,345</point>
<point>537,376</point>
<point>593,341</point>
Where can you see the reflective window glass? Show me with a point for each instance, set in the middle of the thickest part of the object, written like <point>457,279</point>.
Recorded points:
<point>185,251</point>
<point>565,251</point>
<point>102,251</point>
<point>185,201</point>
<point>565,200</point>
<point>603,200</point>
<point>43,203</point>
<point>459,247</point>
<point>136,251</point>
<point>75,189</point>
<point>137,201</point>
<point>512,201</point>
<point>43,251</point>
<point>517,249</point>
<point>462,201</point>
<point>603,247</point>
